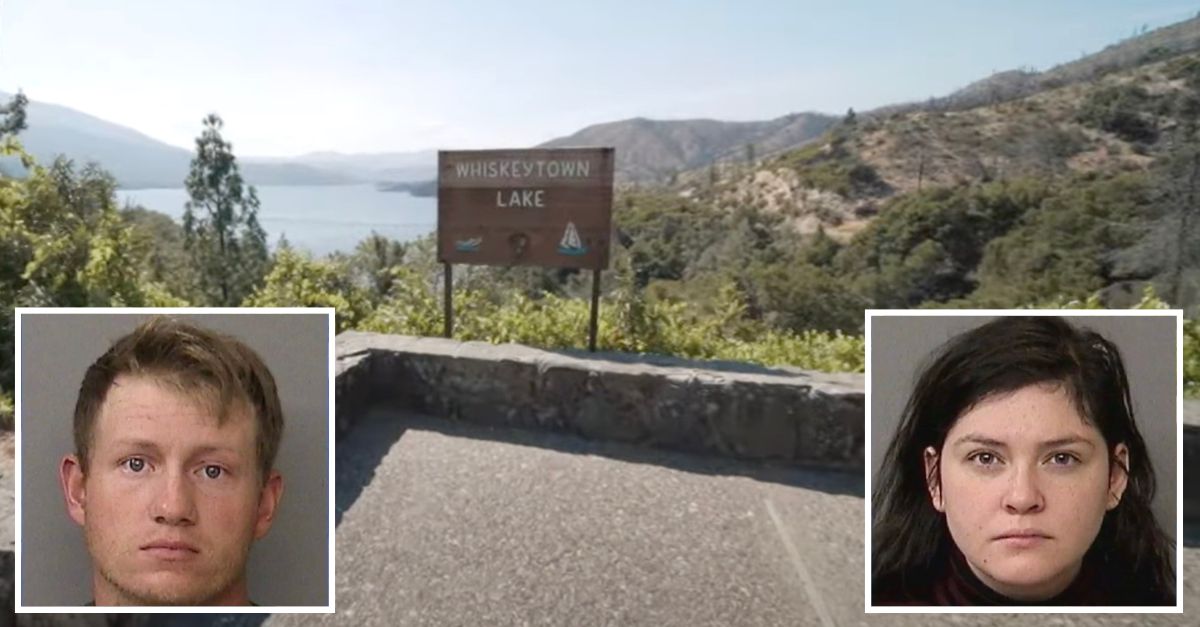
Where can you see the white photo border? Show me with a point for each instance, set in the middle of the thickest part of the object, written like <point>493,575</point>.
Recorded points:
<point>330,314</point>
<point>1027,609</point>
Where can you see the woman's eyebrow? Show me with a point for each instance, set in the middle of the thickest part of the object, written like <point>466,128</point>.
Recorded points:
<point>974,438</point>
<point>1067,441</point>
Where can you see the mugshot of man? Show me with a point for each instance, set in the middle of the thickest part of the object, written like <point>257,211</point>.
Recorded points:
<point>176,429</point>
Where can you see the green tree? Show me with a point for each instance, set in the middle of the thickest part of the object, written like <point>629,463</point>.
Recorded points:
<point>1068,246</point>
<point>413,307</point>
<point>63,243</point>
<point>1125,110</point>
<point>928,245</point>
<point>799,297</point>
<point>168,262</point>
<point>12,122</point>
<point>374,261</point>
<point>297,280</point>
<point>1179,185</point>
<point>7,420</point>
<point>12,115</point>
<point>1174,235</point>
<point>222,235</point>
<point>819,249</point>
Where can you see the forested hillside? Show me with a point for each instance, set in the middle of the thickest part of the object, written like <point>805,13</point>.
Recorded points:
<point>1084,193</point>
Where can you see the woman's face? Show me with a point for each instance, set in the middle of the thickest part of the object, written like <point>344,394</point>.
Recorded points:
<point>1025,483</point>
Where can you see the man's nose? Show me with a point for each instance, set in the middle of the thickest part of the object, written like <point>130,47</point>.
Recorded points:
<point>175,504</point>
<point>1024,495</point>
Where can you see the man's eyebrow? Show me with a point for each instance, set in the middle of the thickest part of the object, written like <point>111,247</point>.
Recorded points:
<point>974,438</point>
<point>149,446</point>
<point>213,448</point>
<point>141,445</point>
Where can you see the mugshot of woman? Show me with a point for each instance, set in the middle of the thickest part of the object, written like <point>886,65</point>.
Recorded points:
<point>1018,477</point>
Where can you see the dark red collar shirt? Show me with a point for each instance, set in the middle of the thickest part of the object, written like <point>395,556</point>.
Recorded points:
<point>956,584</point>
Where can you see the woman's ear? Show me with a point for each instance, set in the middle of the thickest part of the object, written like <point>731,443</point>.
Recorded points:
<point>933,478</point>
<point>1118,474</point>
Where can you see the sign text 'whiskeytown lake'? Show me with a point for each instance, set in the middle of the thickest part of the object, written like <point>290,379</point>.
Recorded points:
<point>548,207</point>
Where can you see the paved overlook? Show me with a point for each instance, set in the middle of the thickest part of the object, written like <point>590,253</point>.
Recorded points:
<point>473,521</point>
<point>443,521</point>
<point>452,524</point>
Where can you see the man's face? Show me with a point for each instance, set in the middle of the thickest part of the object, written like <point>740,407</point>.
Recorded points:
<point>171,500</point>
<point>1025,484</point>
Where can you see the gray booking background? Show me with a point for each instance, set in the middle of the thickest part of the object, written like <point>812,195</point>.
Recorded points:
<point>290,565</point>
<point>902,345</point>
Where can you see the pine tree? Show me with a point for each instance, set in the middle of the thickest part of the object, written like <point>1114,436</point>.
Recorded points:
<point>222,235</point>
<point>12,115</point>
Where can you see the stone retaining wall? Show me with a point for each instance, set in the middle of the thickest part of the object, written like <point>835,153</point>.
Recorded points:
<point>738,410</point>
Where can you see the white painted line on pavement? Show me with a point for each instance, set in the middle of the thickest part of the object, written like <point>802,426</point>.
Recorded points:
<point>810,586</point>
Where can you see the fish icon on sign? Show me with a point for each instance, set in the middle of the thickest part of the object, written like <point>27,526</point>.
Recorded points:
<point>468,245</point>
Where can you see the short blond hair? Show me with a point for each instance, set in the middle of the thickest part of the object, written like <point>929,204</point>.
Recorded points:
<point>213,368</point>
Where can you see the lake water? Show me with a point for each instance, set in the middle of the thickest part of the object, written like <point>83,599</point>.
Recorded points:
<point>320,219</point>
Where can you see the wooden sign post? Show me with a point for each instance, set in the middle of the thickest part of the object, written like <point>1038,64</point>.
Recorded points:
<point>541,207</point>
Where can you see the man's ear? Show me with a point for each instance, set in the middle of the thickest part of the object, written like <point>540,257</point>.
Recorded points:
<point>1118,474</point>
<point>933,478</point>
<point>74,487</point>
<point>268,501</point>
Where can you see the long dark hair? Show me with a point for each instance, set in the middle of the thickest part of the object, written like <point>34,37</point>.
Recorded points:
<point>910,538</point>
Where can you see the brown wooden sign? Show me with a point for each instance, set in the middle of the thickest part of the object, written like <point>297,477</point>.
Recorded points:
<point>540,207</point>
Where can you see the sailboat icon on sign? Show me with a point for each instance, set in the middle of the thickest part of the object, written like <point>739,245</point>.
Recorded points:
<point>570,244</point>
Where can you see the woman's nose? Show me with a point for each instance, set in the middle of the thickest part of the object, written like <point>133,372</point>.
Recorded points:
<point>1024,495</point>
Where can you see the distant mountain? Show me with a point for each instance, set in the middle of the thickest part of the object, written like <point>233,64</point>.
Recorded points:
<point>1101,115</point>
<point>650,151</point>
<point>1148,47</point>
<point>422,189</point>
<point>135,159</point>
<point>656,150</point>
<point>383,167</point>
<point>647,150</point>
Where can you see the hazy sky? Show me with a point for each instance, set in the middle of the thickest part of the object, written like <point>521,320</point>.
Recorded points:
<point>372,76</point>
